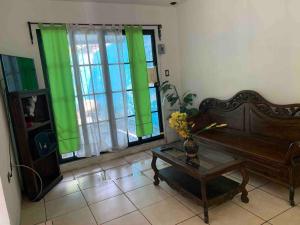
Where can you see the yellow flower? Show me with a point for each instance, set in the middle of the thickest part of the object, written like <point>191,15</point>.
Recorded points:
<point>178,121</point>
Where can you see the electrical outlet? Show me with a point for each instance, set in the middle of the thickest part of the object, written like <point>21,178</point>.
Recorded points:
<point>161,49</point>
<point>167,73</point>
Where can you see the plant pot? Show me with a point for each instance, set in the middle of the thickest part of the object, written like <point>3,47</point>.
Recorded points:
<point>191,148</point>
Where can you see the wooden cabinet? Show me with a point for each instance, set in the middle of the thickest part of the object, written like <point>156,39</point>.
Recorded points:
<point>31,115</point>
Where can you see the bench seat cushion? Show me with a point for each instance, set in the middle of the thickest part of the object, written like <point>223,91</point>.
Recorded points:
<point>247,145</point>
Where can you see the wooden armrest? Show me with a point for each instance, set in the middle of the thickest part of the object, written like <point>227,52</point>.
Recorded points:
<point>293,151</point>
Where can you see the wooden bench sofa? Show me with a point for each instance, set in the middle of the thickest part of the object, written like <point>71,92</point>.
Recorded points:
<point>265,134</point>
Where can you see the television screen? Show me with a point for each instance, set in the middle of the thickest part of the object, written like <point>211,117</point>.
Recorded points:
<point>19,73</point>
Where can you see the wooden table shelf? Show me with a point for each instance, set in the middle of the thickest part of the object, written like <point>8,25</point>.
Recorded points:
<point>204,180</point>
<point>219,188</point>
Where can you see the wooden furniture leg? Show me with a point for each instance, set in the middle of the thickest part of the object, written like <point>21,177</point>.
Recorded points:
<point>245,175</point>
<point>153,165</point>
<point>205,202</point>
<point>292,195</point>
<point>291,185</point>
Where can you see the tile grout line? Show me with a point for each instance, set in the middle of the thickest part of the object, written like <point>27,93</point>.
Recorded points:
<point>99,163</point>
<point>255,186</point>
<point>169,197</point>
<point>124,193</point>
<point>88,205</point>
<point>188,219</point>
<point>112,181</point>
<point>67,211</point>
<point>249,211</point>
<point>261,217</point>
<point>62,195</point>
<point>44,203</point>
<point>247,203</point>
<point>135,205</point>
<point>281,213</point>
<point>137,209</point>
<point>194,214</point>
<point>80,189</point>
<point>136,187</point>
<point>270,193</point>
<point>102,170</point>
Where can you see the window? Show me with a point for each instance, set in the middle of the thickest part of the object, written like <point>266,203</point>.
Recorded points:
<point>98,98</point>
<point>149,41</point>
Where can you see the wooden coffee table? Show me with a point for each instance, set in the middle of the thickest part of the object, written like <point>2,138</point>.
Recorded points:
<point>203,177</point>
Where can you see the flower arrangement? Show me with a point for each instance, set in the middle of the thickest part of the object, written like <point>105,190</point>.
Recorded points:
<point>178,121</point>
<point>183,127</point>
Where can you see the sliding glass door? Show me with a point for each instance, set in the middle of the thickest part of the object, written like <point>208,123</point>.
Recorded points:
<point>103,89</point>
<point>99,80</point>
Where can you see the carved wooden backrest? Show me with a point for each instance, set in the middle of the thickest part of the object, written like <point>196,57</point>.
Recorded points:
<point>249,112</point>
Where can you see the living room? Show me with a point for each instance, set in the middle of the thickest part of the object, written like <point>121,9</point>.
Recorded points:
<point>240,55</point>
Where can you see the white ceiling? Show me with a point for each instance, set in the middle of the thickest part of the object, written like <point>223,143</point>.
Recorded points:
<point>143,2</point>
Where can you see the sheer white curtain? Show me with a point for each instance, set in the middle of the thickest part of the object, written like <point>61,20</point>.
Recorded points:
<point>100,84</point>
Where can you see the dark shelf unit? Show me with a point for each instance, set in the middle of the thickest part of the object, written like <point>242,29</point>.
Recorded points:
<point>48,165</point>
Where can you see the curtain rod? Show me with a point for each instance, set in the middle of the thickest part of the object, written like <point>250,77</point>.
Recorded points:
<point>159,26</point>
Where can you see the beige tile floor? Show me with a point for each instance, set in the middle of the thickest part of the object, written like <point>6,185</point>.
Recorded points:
<point>120,192</point>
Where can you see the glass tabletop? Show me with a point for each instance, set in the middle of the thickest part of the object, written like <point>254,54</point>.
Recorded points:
<point>207,158</point>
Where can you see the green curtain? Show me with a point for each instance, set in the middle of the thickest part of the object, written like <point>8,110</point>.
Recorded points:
<point>139,79</point>
<point>56,49</point>
<point>27,73</point>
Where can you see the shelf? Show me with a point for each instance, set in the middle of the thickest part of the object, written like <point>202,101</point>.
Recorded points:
<point>47,166</point>
<point>217,188</point>
<point>37,125</point>
<point>44,157</point>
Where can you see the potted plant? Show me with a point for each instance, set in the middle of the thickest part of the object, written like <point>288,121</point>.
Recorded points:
<point>185,102</point>
<point>179,119</point>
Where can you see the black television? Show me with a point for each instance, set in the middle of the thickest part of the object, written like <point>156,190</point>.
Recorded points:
<point>19,73</point>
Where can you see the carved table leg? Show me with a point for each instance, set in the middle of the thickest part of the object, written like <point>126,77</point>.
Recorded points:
<point>292,195</point>
<point>204,201</point>
<point>153,165</point>
<point>244,191</point>
<point>291,186</point>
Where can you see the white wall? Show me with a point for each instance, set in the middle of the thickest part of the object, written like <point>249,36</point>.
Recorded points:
<point>4,217</point>
<point>14,37</point>
<point>10,197</point>
<point>14,40</point>
<point>228,46</point>
<point>14,14</point>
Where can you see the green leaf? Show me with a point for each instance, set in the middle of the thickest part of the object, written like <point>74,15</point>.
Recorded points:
<point>192,112</point>
<point>189,98</point>
<point>172,99</point>
<point>165,87</point>
<point>183,109</point>
<point>165,82</point>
